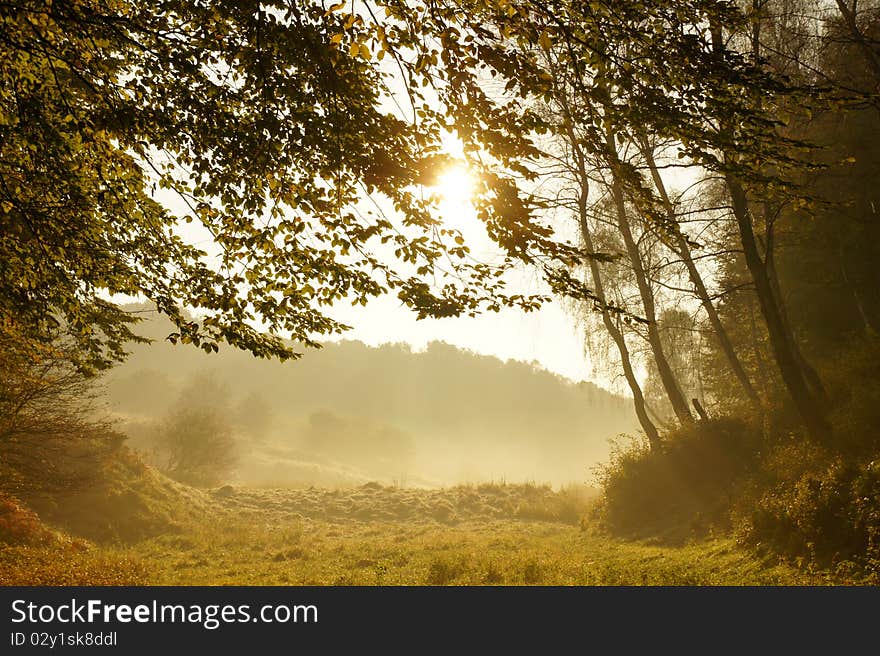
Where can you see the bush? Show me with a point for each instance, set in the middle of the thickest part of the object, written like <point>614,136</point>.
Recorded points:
<point>824,517</point>
<point>52,436</point>
<point>685,488</point>
<point>197,447</point>
<point>814,505</point>
<point>19,524</point>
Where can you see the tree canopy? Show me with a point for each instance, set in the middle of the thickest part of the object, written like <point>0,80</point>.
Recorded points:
<point>266,123</point>
<point>255,163</point>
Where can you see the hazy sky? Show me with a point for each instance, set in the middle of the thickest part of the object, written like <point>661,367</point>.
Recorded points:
<point>548,336</point>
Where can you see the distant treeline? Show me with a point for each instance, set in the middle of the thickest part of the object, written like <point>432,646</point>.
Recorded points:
<point>440,415</point>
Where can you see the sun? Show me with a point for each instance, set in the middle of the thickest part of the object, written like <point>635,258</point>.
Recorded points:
<point>455,186</point>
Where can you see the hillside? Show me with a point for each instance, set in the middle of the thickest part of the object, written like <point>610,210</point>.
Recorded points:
<point>349,413</point>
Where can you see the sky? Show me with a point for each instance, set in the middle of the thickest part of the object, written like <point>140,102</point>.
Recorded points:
<point>549,336</point>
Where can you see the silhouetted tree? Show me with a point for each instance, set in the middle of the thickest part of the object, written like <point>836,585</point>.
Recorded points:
<point>196,446</point>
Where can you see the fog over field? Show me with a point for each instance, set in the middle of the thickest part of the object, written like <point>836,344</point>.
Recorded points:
<point>440,293</point>
<point>349,413</point>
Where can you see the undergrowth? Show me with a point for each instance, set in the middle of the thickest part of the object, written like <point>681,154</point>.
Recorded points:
<point>817,507</point>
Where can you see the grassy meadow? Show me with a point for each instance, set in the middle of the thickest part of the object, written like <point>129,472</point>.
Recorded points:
<point>489,534</point>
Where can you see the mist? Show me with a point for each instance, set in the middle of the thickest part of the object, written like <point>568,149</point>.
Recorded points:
<point>676,201</point>
<point>349,413</point>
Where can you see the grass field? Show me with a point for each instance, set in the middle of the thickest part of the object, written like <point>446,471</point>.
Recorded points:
<point>374,535</point>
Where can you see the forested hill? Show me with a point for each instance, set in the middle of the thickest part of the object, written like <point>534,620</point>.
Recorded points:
<point>439,416</point>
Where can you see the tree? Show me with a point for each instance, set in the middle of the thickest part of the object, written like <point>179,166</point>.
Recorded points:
<point>266,123</point>
<point>271,151</point>
<point>686,71</point>
<point>744,172</point>
<point>196,446</point>
<point>682,247</point>
<point>612,325</point>
<point>52,433</point>
<point>861,24</point>
<point>667,376</point>
<point>683,350</point>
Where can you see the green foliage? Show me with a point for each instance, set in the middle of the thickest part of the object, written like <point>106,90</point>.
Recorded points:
<point>269,122</point>
<point>785,496</point>
<point>261,125</point>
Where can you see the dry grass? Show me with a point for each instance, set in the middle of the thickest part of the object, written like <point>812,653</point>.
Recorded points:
<point>373,502</point>
<point>491,534</point>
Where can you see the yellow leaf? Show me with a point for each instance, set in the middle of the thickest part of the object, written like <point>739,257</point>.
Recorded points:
<point>545,41</point>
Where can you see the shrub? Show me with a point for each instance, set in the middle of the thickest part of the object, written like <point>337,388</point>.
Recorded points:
<point>824,517</point>
<point>52,436</point>
<point>815,505</point>
<point>19,524</point>
<point>197,447</point>
<point>686,487</point>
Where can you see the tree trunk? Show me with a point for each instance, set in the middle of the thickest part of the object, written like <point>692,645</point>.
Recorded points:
<point>761,370</point>
<point>810,373</point>
<point>701,411</point>
<point>784,349</point>
<point>619,341</point>
<point>683,250</point>
<point>667,376</point>
<point>871,56</point>
<point>598,288</point>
